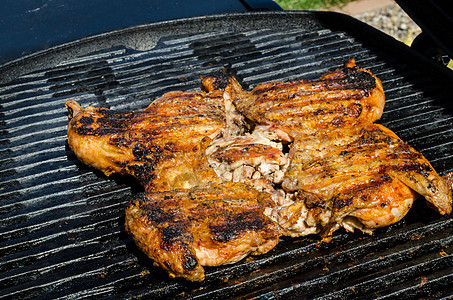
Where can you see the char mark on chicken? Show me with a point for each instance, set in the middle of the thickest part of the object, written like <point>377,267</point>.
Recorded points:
<point>361,177</point>
<point>185,229</point>
<point>347,96</point>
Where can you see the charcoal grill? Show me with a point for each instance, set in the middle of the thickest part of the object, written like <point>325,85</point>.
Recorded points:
<point>62,233</point>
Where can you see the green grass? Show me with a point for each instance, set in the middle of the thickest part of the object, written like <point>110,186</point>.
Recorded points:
<point>310,4</point>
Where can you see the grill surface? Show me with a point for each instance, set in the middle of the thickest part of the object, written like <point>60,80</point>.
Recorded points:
<point>62,234</point>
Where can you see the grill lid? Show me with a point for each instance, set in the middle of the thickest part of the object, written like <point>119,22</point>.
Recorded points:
<point>62,233</point>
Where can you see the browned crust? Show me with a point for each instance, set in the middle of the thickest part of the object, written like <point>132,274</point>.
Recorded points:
<point>227,220</point>
<point>342,167</point>
<point>166,137</point>
<point>349,96</point>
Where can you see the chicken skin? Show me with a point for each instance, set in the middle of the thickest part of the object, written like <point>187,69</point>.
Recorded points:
<point>363,177</point>
<point>347,96</point>
<point>162,146</point>
<point>185,229</point>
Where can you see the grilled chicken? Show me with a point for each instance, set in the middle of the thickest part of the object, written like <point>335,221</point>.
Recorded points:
<point>348,96</point>
<point>187,218</point>
<point>162,146</point>
<point>185,229</point>
<point>359,177</point>
<point>220,182</point>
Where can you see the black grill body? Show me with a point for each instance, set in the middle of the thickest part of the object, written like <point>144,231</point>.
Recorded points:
<point>434,18</point>
<point>61,224</point>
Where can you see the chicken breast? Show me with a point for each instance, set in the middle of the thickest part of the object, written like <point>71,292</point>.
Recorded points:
<point>348,96</point>
<point>162,146</point>
<point>365,174</point>
<point>185,229</point>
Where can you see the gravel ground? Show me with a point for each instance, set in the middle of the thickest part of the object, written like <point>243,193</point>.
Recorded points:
<point>392,20</point>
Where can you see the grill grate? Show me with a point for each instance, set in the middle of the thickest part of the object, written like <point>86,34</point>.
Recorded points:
<point>61,232</point>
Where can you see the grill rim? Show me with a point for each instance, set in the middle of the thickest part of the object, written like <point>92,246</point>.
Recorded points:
<point>150,34</point>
